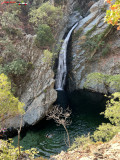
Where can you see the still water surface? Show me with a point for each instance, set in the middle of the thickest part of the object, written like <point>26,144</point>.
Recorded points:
<point>36,137</point>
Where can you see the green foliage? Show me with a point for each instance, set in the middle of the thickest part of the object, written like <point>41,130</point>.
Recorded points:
<point>16,67</point>
<point>106,50</point>
<point>95,78</point>
<point>9,19</point>
<point>106,131</point>
<point>96,43</point>
<point>48,56</point>
<point>9,105</point>
<point>9,52</point>
<point>61,2</point>
<point>91,30</point>
<point>77,33</point>
<point>83,141</point>
<point>114,81</point>
<point>113,109</point>
<point>48,14</point>
<point>44,36</point>
<point>13,31</point>
<point>92,43</point>
<point>9,152</point>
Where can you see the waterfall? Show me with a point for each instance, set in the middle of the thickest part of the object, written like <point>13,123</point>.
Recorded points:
<point>62,68</point>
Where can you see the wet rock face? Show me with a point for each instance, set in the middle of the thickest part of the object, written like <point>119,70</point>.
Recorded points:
<point>38,92</point>
<point>88,55</point>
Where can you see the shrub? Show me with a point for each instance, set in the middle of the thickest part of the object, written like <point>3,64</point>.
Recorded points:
<point>9,105</point>
<point>77,33</point>
<point>105,132</point>
<point>9,152</point>
<point>48,57</point>
<point>13,31</point>
<point>105,50</point>
<point>16,67</point>
<point>48,14</point>
<point>44,36</point>
<point>9,19</point>
<point>111,81</point>
<point>91,30</point>
<point>113,109</point>
<point>83,141</point>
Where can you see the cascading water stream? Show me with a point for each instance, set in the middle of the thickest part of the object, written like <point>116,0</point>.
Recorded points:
<point>62,68</point>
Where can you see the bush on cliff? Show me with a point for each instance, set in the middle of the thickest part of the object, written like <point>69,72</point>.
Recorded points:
<point>9,152</point>
<point>106,131</point>
<point>46,14</point>
<point>44,37</point>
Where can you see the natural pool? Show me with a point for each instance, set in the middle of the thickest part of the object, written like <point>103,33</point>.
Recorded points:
<point>83,121</point>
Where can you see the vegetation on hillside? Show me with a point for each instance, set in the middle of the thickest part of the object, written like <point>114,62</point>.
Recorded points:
<point>45,20</point>
<point>9,105</point>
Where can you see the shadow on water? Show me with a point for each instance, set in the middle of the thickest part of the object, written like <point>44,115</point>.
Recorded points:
<point>85,106</point>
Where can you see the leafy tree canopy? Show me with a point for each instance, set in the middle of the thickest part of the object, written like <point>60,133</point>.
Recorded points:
<point>113,109</point>
<point>106,131</point>
<point>44,36</point>
<point>9,105</point>
<point>46,13</point>
<point>113,14</point>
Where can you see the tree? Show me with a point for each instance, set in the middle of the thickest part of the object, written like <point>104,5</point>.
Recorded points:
<point>61,117</point>
<point>9,105</point>
<point>113,14</point>
<point>107,130</point>
<point>113,109</point>
<point>46,14</point>
<point>44,36</point>
<point>48,56</point>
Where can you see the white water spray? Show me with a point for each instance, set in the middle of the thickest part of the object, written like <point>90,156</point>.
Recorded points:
<point>62,68</point>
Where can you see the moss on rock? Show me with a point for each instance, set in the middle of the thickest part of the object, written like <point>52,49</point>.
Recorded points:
<point>94,78</point>
<point>102,82</point>
<point>114,82</point>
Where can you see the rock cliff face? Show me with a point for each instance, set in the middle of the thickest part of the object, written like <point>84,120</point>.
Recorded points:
<point>95,49</point>
<point>37,88</point>
<point>37,91</point>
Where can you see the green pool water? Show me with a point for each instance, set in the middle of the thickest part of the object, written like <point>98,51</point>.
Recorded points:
<point>82,123</point>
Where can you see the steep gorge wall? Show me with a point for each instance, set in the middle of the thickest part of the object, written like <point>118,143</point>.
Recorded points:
<point>89,56</point>
<point>36,88</point>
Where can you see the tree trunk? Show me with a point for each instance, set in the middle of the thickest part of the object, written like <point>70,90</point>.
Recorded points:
<point>67,134</point>
<point>19,130</point>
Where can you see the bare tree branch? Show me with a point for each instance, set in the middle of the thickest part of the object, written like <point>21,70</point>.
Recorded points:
<point>61,117</point>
